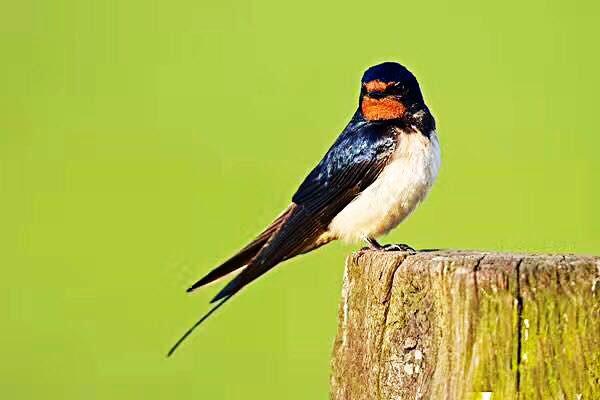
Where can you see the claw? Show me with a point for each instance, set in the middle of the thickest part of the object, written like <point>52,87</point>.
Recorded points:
<point>374,245</point>
<point>399,247</point>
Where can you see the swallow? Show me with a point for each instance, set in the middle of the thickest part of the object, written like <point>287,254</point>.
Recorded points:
<point>378,170</point>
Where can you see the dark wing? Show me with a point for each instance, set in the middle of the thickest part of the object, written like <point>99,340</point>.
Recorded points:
<point>244,256</point>
<point>349,167</point>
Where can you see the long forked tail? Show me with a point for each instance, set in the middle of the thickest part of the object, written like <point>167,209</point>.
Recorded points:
<point>197,324</point>
<point>239,260</point>
<point>291,234</point>
<point>244,256</point>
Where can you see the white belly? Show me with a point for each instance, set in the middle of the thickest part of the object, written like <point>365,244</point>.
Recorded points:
<point>402,184</point>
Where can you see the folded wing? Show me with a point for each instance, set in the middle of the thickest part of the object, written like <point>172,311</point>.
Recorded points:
<point>349,167</point>
<point>353,162</point>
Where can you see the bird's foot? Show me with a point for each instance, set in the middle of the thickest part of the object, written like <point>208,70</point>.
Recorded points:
<point>374,245</point>
<point>399,247</point>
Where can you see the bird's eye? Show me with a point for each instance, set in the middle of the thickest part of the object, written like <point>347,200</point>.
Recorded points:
<point>396,88</point>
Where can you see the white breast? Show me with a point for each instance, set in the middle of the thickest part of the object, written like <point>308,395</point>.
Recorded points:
<point>402,184</point>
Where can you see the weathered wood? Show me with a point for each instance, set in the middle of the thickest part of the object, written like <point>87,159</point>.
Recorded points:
<point>455,324</point>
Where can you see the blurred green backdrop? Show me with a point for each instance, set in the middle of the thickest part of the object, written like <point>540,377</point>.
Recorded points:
<point>142,142</point>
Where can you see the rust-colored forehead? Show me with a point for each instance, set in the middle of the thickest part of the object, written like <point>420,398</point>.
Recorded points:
<point>377,86</point>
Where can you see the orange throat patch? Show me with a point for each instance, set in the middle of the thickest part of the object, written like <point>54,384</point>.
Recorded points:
<point>381,109</point>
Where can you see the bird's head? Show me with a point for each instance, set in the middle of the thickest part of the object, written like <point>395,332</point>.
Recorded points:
<point>390,92</point>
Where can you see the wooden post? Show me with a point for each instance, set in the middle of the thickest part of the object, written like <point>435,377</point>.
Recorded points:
<point>468,325</point>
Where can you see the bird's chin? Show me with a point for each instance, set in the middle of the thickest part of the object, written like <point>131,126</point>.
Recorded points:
<point>387,108</point>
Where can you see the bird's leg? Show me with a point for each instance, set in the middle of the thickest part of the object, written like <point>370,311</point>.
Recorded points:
<point>374,245</point>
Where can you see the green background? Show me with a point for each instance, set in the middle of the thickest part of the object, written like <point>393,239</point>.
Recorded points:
<point>142,142</point>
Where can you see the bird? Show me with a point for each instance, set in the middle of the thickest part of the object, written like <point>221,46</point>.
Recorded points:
<point>378,170</point>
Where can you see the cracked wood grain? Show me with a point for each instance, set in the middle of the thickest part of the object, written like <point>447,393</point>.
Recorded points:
<point>452,324</point>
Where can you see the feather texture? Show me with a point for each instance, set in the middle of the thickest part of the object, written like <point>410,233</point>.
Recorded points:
<point>351,165</point>
<point>243,257</point>
<point>396,192</point>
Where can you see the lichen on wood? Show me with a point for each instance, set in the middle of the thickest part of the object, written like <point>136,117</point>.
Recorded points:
<point>453,324</point>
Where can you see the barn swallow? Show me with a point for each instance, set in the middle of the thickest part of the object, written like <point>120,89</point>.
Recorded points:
<point>375,174</point>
